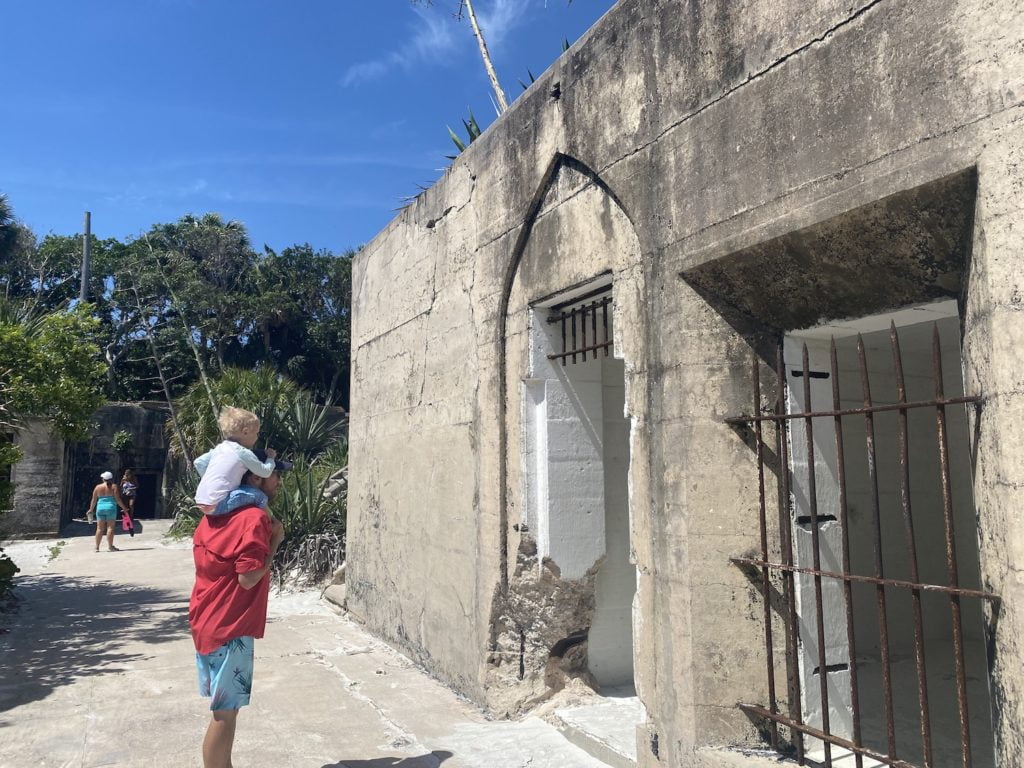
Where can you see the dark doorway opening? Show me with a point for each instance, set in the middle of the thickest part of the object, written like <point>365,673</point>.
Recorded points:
<point>148,494</point>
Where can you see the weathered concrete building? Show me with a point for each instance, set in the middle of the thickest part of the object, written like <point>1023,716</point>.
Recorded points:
<point>571,356</point>
<point>53,481</point>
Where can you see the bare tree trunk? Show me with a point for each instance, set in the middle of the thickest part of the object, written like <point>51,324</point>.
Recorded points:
<point>188,335</point>
<point>160,372</point>
<point>486,56</point>
<point>111,357</point>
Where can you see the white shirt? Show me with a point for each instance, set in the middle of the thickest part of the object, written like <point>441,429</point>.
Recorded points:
<point>222,470</point>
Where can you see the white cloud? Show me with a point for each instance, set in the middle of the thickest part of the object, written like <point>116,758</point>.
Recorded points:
<point>433,36</point>
<point>501,18</point>
<point>366,70</point>
<point>437,33</point>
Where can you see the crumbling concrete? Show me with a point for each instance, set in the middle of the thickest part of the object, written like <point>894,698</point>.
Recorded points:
<point>735,170</point>
<point>37,481</point>
<point>540,634</point>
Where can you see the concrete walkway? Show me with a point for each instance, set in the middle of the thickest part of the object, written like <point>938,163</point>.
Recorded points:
<point>97,669</point>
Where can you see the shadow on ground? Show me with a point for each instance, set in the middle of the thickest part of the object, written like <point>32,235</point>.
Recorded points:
<point>66,629</point>
<point>77,528</point>
<point>429,760</point>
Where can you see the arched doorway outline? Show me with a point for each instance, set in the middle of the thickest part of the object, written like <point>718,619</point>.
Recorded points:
<point>558,162</point>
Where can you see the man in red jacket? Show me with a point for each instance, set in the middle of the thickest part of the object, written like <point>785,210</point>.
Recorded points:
<point>228,610</point>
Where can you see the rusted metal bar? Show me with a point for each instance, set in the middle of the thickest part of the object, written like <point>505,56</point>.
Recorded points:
<point>562,316</point>
<point>583,327</point>
<point>558,309</point>
<point>576,316</point>
<point>883,621</point>
<point>572,352</point>
<point>952,569</point>
<point>789,585</point>
<point>844,521</point>
<point>819,612</point>
<point>604,311</point>
<point>739,420</point>
<point>604,290</point>
<point>796,725</point>
<point>765,573</point>
<point>908,526</point>
<point>858,579</point>
<point>574,343</point>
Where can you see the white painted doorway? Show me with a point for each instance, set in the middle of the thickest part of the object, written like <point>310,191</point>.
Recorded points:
<point>576,460</point>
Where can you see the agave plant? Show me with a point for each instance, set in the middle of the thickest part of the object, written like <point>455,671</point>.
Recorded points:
<point>472,134</point>
<point>311,500</point>
<point>312,510</point>
<point>181,504</point>
<point>310,429</point>
<point>302,503</point>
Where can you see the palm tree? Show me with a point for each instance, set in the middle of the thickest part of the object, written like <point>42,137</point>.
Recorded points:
<point>8,227</point>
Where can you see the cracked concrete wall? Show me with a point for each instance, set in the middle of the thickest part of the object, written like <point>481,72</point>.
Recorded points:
<point>38,480</point>
<point>714,126</point>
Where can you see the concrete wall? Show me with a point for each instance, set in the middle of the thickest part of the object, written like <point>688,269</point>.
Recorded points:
<point>38,482</point>
<point>740,168</point>
<point>145,422</point>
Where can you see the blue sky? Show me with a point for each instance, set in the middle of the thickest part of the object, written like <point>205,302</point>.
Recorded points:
<point>307,120</point>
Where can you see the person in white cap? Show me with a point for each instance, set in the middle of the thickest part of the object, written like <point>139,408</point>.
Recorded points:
<point>106,499</point>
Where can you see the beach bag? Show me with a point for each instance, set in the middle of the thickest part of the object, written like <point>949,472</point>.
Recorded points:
<point>127,523</point>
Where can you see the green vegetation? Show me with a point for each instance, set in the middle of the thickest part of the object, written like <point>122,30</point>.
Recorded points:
<point>50,368</point>
<point>191,298</point>
<point>472,133</point>
<point>122,441</point>
<point>191,313</point>
<point>311,501</point>
<point>54,550</point>
<point>7,571</point>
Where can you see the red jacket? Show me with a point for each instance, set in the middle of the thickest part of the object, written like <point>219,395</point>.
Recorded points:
<point>224,546</point>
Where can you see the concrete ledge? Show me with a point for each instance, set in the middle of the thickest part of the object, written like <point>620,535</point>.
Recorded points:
<point>335,595</point>
<point>32,536</point>
<point>735,758</point>
<point>604,729</point>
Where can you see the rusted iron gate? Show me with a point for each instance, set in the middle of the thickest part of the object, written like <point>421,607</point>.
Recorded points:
<point>587,312</point>
<point>787,568</point>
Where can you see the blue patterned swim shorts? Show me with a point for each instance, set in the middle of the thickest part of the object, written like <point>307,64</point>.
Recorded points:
<point>225,675</point>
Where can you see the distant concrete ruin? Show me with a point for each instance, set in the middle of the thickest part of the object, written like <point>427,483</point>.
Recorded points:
<point>53,482</point>
<point>588,448</point>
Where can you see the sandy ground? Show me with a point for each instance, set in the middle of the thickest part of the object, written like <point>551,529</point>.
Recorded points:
<point>97,669</point>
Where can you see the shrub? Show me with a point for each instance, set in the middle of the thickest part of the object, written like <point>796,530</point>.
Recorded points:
<point>7,571</point>
<point>122,441</point>
<point>314,521</point>
<point>311,500</point>
<point>310,506</point>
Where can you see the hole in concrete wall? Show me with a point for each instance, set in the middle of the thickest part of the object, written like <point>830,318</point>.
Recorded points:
<point>576,455</point>
<point>915,327</point>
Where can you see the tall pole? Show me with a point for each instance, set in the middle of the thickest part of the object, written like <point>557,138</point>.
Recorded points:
<point>83,296</point>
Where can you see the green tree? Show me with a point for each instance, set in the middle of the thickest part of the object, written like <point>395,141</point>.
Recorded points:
<point>50,368</point>
<point>16,244</point>
<point>189,299</point>
<point>209,261</point>
<point>8,227</point>
<point>302,316</point>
